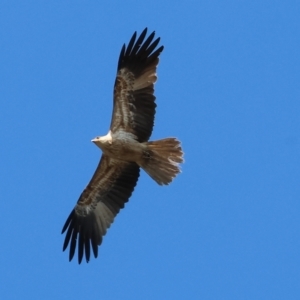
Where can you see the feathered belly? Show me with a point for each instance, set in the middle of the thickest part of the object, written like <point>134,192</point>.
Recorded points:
<point>124,149</point>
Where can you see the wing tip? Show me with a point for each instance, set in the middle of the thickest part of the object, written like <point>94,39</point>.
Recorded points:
<point>139,51</point>
<point>81,235</point>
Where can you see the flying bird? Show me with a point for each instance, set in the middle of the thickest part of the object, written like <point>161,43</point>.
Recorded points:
<point>125,149</point>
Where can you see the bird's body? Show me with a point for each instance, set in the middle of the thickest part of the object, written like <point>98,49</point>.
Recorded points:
<point>125,149</point>
<point>121,146</point>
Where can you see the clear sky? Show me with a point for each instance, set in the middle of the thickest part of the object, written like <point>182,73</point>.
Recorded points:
<point>228,88</point>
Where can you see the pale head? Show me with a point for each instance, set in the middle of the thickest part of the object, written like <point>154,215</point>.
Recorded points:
<point>102,141</point>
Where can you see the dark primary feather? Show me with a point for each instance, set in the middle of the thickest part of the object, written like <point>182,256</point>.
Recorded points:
<point>134,104</point>
<point>137,56</point>
<point>106,195</point>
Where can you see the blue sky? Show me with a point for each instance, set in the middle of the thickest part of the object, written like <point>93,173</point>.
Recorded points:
<point>228,88</point>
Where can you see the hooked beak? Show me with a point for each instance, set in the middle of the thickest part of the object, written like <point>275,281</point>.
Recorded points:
<point>94,140</point>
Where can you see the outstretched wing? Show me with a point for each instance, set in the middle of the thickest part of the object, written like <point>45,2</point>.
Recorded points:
<point>109,189</point>
<point>134,100</point>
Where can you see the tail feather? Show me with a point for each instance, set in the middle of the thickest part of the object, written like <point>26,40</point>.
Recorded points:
<point>161,160</point>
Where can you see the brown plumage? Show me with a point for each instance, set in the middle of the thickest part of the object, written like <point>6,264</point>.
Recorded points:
<point>125,149</point>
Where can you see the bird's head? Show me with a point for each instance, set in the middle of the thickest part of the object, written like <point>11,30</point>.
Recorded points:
<point>102,141</point>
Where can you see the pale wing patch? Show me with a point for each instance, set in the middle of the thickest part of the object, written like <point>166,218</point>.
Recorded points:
<point>104,217</point>
<point>147,78</point>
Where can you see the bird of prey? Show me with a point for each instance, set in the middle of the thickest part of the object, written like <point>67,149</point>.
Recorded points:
<point>125,149</point>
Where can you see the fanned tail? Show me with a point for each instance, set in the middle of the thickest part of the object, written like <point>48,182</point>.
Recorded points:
<point>161,160</point>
